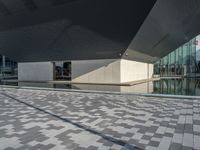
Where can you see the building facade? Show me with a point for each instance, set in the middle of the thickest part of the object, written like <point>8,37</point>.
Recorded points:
<point>7,67</point>
<point>105,41</point>
<point>184,61</point>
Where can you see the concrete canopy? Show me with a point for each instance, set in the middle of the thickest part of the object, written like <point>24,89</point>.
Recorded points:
<point>141,30</point>
<point>42,30</point>
<point>169,25</point>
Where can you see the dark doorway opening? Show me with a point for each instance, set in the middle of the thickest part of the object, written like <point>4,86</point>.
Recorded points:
<point>63,70</point>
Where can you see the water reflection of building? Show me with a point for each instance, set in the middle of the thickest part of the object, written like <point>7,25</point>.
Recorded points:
<point>177,86</point>
<point>181,62</point>
<point>139,88</point>
<point>33,84</point>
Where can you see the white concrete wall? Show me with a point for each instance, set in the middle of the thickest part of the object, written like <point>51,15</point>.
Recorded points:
<point>36,71</point>
<point>133,70</point>
<point>96,71</point>
<point>151,68</point>
<point>89,71</point>
<point>110,71</point>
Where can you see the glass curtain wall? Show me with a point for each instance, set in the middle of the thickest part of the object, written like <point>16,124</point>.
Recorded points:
<point>7,67</point>
<point>180,62</point>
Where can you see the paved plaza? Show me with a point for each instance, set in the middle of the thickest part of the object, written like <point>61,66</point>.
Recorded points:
<point>41,119</point>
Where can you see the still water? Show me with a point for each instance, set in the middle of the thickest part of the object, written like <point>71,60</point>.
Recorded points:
<point>164,86</point>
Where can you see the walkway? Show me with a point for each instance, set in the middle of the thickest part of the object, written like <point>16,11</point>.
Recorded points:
<point>39,119</point>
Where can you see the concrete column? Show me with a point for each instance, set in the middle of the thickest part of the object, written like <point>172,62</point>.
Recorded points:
<point>54,70</point>
<point>3,64</point>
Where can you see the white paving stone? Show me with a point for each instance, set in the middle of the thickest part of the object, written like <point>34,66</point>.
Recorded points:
<point>188,140</point>
<point>165,143</point>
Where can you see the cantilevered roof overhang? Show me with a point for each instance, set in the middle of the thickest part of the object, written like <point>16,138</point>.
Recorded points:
<point>142,30</point>
<point>42,30</point>
<point>170,24</point>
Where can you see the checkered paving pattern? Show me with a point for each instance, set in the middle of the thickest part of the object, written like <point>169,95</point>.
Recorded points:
<point>39,119</point>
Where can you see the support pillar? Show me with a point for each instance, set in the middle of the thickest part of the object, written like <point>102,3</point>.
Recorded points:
<point>3,65</point>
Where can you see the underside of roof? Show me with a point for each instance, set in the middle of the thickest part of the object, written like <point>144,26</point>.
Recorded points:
<point>170,24</point>
<point>140,30</point>
<point>43,30</point>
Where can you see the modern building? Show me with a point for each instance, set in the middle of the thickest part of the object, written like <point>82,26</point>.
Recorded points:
<point>180,62</point>
<point>101,41</point>
<point>8,68</point>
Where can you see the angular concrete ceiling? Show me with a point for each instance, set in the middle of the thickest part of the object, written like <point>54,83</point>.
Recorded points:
<point>43,30</point>
<point>141,30</point>
<point>170,24</point>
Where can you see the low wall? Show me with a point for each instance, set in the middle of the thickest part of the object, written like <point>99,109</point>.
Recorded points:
<point>133,70</point>
<point>96,71</point>
<point>36,71</point>
<point>89,71</point>
<point>110,71</point>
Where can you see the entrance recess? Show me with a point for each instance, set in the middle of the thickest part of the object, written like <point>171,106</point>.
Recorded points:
<point>63,70</point>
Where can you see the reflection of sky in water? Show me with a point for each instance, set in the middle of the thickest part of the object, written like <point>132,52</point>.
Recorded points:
<point>164,86</point>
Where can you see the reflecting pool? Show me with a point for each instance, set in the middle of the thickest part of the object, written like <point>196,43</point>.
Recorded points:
<point>186,86</point>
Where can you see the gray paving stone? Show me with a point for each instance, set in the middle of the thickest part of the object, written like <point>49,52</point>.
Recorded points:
<point>175,146</point>
<point>196,142</point>
<point>186,148</point>
<point>154,143</point>
<point>37,119</point>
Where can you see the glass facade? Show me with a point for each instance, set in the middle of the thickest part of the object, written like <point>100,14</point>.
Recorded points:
<point>7,67</point>
<point>181,62</point>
